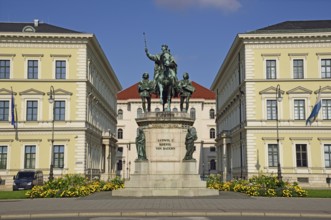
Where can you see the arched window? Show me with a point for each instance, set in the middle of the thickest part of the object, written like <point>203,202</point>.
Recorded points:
<point>212,133</point>
<point>139,112</point>
<point>175,110</point>
<point>211,113</point>
<point>120,114</point>
<point>120,133</point>
<point>212,164</point>
<point>192,113</point>
<point>157,110</point>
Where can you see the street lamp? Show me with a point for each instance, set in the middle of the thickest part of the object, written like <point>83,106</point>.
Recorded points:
<point>51,101</point>
<point>278,99</point>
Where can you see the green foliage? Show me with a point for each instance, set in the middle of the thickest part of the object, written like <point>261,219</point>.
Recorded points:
<point>73,186</point>
<point>261,185</point>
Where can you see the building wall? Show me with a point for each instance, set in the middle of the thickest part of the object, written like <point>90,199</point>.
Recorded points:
<point>257,130</point>
<point>89,119</point>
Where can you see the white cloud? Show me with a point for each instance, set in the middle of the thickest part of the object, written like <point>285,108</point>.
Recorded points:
<point>224,5</point>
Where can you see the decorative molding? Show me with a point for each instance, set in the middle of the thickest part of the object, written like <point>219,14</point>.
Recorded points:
<point>270,90</point>
<point>32,55</point>
<point>6,140</point>
<point>61,92</point>
<point>270,54</point>
<point>59,140</point>
<point>60,55</point>
<point>301,138</point>
<point>324,90</point>
<point>32,92</point>
<point>299,90</point>
<point>4,91</point>
<point>30,140</point>
<point>298,54</point>
<point>323,54</point>
<point>272,138</point>
<point>324,139</point>
<point>7,55</point>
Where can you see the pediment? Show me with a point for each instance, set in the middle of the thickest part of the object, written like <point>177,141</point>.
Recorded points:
<point>270,90</point>
<point>61,92</point>
<point>32,92</point>
<point>326,89</point>
<point>299,90</point>
<point>4,91</point>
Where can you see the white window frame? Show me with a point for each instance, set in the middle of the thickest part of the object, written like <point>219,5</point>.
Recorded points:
<point>269,96</point>
<point>322,56</point>
<point>65,160</point>
<point>306,141</point>
<point>302,96</point>
<point>66,99</point>
<point>61,58</point>
<point>9,57</point>
<point>27,58</point>
<point>298,56</point>
<point>271,57</point>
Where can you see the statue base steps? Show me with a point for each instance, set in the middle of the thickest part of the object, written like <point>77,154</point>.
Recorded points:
<point>165,185</point>
<point>165,173</point>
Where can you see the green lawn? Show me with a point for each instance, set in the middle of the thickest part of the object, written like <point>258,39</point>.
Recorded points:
<point>319,193</point>
<point>13,194</point>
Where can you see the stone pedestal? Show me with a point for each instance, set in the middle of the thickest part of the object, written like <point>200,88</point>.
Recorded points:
<point>165,173</point>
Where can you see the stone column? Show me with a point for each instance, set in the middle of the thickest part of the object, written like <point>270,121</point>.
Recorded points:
<point>224,160</point>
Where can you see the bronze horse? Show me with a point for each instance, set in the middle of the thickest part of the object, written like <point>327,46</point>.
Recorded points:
<point>166,80</point>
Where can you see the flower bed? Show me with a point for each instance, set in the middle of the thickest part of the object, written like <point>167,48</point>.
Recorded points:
<point>73,186</point>
<point>261,185</point>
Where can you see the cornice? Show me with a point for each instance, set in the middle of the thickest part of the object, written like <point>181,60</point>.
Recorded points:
<point>289,35</point>
<point>44,38</point>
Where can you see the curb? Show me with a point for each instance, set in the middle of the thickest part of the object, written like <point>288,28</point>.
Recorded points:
<point>161,214</point>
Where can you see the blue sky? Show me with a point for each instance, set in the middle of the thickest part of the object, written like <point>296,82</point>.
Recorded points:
<point>198,32</point>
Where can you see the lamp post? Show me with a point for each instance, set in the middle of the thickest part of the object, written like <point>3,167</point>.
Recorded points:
<point>51,101</point>
<point>278,99</point>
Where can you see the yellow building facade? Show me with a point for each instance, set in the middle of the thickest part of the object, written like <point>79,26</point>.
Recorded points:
<point>257,130</point>
<point>40,63</point>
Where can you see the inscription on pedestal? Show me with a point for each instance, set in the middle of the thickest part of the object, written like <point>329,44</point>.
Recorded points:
<point>165,144</point>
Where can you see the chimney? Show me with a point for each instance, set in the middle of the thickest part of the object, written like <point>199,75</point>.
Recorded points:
<point>36,22</point>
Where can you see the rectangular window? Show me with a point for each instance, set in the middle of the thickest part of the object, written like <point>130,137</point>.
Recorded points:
<point>271,69</point>
<point>4,69</point>
<point>272,155</point>
<point>326,109</point>
<point>299,109</point>
<point>326,68</point>
<point>32,111</point>
<point>301,153</point>
<point>4,110</point>
<point>327,155</point>
<point>32,69</point>
<point>298,69</point>
<point>271,109</point>
<point>30,157</point>
<point>3,157</point>
<point>58,156</point>
<point>60,69</point>
<point>59,110</point>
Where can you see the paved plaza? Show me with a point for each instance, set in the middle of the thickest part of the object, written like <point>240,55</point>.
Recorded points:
<point>226,204</point>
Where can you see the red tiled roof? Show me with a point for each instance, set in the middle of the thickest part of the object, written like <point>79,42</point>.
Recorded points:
<point>200,93</point>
